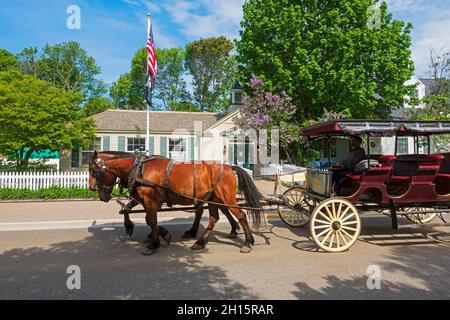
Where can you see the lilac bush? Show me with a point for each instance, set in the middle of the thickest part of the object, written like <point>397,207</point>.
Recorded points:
<point>267,110</point>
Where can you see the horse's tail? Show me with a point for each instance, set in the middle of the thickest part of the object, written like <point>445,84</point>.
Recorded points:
<point>252,196</point>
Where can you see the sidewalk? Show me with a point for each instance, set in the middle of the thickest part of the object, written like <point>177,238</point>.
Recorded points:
<point>46,215</point>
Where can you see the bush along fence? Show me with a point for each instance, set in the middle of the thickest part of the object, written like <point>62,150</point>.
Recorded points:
<point>45,185</point>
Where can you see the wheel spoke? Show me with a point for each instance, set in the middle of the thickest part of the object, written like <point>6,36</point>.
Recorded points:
<point>323,232</point>
<point>338,244</point>
<point>339,232</point>
<point>348,234</point>
<point>338,215</point>
<point>332,239</point>
<point>326,217</point>
<point>327,236</point>
<point>321,227</point>
<point>324,222</point>
<point>348,228</point>
<point>343,213</point>
<point>330,215</point>
<point>333,207</point>
<point>349,223</point>
<point>348,217</point>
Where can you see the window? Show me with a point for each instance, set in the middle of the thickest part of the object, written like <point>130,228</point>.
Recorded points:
<point>402,145</point>
<point>238,98</point>
<point>177,149</point>
<point>135,143</point>
<point>86,154</point>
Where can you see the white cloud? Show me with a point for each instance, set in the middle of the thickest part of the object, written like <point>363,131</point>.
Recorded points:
<point>151,6</point>
<point>131,2</point>
<point>434,34</point>
<point>206,18</point>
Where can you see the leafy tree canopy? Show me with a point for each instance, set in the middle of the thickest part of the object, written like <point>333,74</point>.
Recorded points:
<point>326,55</point>
<point>8,61</point>
<point>36,115</point>
<point>211,66</point>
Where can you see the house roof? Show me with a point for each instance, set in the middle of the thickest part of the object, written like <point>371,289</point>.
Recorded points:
<point>430,83</point>
<point>160,121</point>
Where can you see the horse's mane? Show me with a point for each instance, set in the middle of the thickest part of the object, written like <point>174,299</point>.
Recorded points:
<point>122,153</point>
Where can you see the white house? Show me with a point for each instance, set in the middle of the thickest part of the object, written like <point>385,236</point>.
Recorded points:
<point>182,136</point>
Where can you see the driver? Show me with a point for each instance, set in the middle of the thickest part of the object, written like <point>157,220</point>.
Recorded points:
<point>341,169</point>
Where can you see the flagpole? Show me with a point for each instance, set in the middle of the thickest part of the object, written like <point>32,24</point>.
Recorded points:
<point>147,139</point>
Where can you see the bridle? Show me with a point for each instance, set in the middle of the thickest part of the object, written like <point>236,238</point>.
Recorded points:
<point>97,169</point>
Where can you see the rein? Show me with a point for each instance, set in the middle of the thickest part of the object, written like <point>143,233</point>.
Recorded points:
<point>100,174</point>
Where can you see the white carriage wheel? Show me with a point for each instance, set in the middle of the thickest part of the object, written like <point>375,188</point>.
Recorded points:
<point>419,218</point>
<point>335,225</point>
<point>298,215</point>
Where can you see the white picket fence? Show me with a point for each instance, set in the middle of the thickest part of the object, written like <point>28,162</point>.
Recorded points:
<point>42,180</point>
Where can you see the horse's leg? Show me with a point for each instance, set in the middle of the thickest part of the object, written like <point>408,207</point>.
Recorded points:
<point>165,234</point>
<point>129,225</point>
<point>234,225</point>
<point>240,215</point>
<point>229,198</point>
<point>151,210</point>
<point>213,218</point>
<point>192,233</point>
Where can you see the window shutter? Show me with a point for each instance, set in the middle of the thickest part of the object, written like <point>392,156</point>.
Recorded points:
<point>191,148</point>
<point>121,143</point>
<point>106,143</point>
<point>151,145</point>
<point>76,156</point>
<point>163,146</point>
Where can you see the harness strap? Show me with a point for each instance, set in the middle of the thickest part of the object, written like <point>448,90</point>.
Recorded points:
<point>166,181</point>
<point>194,192</point>
<point>157,185</point>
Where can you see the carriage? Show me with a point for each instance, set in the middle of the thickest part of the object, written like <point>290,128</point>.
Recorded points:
<point>416,185</point>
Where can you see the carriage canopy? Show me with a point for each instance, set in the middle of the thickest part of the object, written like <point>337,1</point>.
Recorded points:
<point>377,128</point>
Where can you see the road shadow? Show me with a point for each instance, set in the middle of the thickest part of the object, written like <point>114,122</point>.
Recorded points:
<point>375,231</point>
<point>426,267</point>
<point>114,269</point>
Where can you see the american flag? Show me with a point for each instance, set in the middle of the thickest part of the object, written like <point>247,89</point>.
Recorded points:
<point>152,64</point>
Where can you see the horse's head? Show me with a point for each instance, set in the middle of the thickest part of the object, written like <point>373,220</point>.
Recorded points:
<point>101,178</point>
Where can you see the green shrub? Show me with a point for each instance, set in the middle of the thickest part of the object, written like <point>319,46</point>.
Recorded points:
<point>48,193</point>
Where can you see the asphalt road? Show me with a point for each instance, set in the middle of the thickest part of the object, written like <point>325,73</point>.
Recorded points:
<point>284,264</point>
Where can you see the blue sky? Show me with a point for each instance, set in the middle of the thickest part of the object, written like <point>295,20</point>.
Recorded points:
<point>111,31</point>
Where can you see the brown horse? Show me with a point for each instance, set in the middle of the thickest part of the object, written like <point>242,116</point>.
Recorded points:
<point>180,181</point>
<point>129,225</point>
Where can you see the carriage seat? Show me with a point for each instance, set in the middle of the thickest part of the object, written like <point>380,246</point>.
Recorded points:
<point>402,170</point>
<point>362,167</point>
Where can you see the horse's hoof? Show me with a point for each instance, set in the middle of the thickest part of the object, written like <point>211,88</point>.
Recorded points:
<point>245,249</point>
<point>168,238</point>
<point>148,252</point>
<point>188,235</point>
<point>232,235</point>
<point>197,246</point>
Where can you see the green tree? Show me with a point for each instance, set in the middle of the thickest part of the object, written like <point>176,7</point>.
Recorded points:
<point>120,92</point>
<point>138,77</point>
<point>326,55</point>
<point>170,86</point>
<point>96,105</point>
<point>8,61</point>
<point>170,91</point>
<point>68,66</point>
<point>437,99</point>
<point>29,60</point>
<point>207,61</point>
<point>36,115</point>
